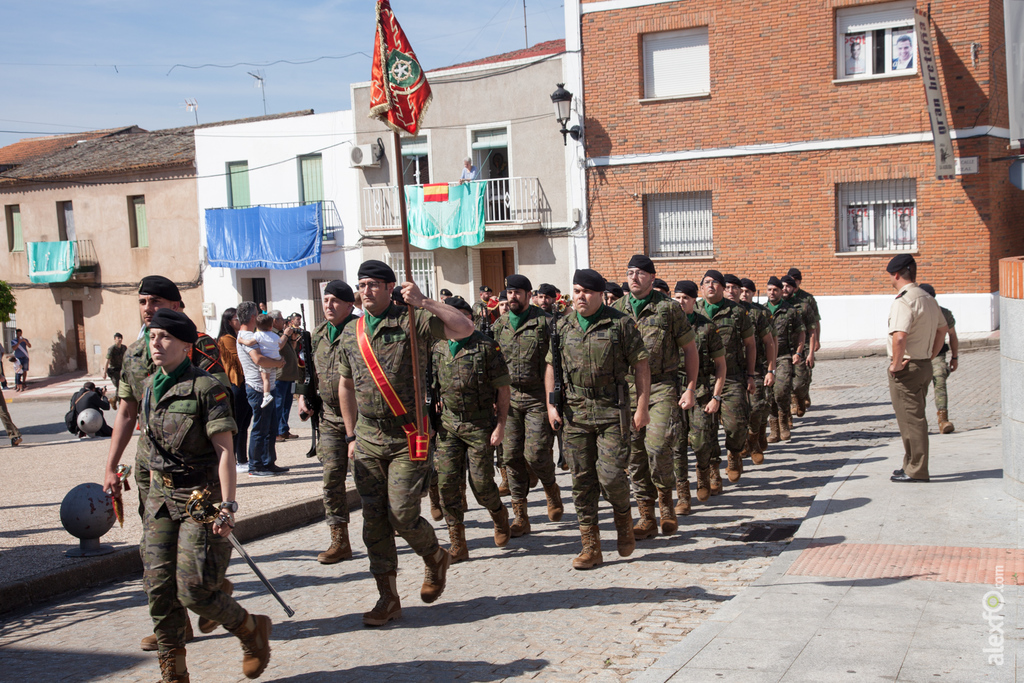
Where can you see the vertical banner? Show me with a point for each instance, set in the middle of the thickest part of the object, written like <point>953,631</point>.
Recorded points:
<point>945,164</point>
<point>1013,20</point>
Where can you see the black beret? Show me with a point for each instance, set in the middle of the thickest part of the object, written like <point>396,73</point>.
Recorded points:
<point>546,289</point>
<point>503,295</point>
<point>446,293</point>
<point>625,286</point>
<point>929,289</point>
<point>459,303</point>
<point>378,270</point>
<point>518,282</point>
<point>795,274</point>
<point>158,285</point>
<point>899,262</point>
<point>485,288</point>
<point>774,282</point>
<point>731,279</point>
<point>589,279</point>
<point>660,284</point>
<point>788,280</point>
<point>614,289</point>
<point>340,289</point>
<point>642,262</point>
<point>714,275</point>
<point>747,283</point>
<point>174,323</point>
<point>687,287</point>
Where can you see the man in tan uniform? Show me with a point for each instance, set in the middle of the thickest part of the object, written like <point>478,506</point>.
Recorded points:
<point>916,332</point>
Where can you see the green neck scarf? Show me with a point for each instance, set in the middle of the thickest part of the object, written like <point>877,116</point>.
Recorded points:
<point>332,331</point>
<point>162,381</point>
<point>456,346</point>
<point>773,307</point>
<point>711,308</point>
<point>519,319</point>
<point>372,320</point>
<point>587,321</point>
<point>691,317</point>
<point>638,304</point>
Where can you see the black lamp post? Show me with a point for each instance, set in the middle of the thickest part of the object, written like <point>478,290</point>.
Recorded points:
<point>562,99</point>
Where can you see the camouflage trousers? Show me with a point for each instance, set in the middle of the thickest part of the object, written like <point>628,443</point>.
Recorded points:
<point>758,406</point>
<point>597,456</point>
<point>650,450</point>
<point>332,451</point>
<point>779,397</point>
<point>802,380</point>
<point>699,431</point>
<point>390,486</point>
<point>528,441</point>
<point>940,371</point>
<point>459,443</point>
<point>184,564</point>
<point>735,413</point>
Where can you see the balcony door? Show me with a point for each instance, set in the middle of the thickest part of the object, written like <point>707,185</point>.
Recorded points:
<point>490,156</point>
<point>78,322</point>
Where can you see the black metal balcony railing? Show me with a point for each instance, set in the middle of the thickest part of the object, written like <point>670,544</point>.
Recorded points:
<point>331,227</point>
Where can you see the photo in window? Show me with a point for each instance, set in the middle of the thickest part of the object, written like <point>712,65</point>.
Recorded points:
<point>857,217</point>
<point>905,232</point>
<point>903,49</point>
<point>855,46</point>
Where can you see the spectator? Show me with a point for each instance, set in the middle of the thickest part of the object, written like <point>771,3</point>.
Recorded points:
<point>89,397</point>
<point>115,359</point>
<point>227,342</point>
<point>469,171</point>
<point>289,375</point>
<point>262,447</point>
<point>18,374</point>
<point>20,347</point>
<point>9,426</point>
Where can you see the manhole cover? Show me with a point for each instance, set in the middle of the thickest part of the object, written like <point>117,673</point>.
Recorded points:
<point>770,534</point>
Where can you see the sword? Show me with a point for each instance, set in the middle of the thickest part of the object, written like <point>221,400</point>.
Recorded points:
<point>203,511</point>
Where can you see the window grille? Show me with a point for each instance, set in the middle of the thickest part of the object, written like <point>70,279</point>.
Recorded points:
<point>680,224</point>
<point>878,216</point>
<point>422,271</point>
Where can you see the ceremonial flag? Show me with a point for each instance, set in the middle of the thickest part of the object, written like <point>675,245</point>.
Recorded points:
<point>435,193</point>
<point>399,92</point>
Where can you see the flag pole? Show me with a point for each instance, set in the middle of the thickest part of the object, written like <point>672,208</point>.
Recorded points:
<point>413,340</point>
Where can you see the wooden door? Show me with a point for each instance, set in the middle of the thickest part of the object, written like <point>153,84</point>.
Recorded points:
<point>495,266</point>
<point>79,342</point>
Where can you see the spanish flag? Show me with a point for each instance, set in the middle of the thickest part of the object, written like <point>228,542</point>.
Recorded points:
<point>435,193</point>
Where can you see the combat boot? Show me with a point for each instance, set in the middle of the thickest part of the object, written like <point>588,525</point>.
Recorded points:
<point>255,636</point>
<point>555,508</point>
<point>208,625</point>
<point>388,606</point>
<point>735,466</point>
<point>716,479</point>
<point>590,556</point>
<point>625,540</point>
<point>502,530</point>
<point>503,489</point>
<point>435,575</point>
<point>172,666</point>
<point>796,406</point>
<point>788,421</point>
<point>669,524</point>
<point>436,513</point>
<point>683,490</point>
<point>521,524</point>
<point>339,550</point>
<point>458,550</point>
<point>645,526</point>
<point>773,426</point>
<point>703,483</point>
<point>785,425</point>
<point>945,426</point>
<point>754,445</point>
<point>762,440</point>
<point>149,642</point>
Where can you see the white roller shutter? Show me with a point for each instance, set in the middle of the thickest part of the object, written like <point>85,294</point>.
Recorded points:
<point>874,17</point>
<point>677,63</point>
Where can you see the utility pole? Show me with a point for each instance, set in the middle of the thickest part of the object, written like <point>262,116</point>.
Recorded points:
<point>525,34</point>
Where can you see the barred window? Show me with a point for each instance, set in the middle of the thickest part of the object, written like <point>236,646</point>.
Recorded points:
<point>422,270</point>
<point>878,216</point>
<point>680,224</point>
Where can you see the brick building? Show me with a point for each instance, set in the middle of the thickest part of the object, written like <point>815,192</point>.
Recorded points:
<point>751,137</point>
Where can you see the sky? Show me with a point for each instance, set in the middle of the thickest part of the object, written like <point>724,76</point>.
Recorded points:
<point>72,65</point>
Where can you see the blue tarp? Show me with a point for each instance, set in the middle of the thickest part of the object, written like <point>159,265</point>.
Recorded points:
<point>264,237</point>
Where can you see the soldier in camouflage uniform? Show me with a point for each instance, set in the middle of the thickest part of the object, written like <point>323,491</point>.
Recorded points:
<point>941,370</point>
<point>388,481</point>
<point>332,448</point>
<point>597,346</point>
<point>523,334</point>
<point>474,387</point>
<point>699,424</point>
<point>186,418</point>
<point>668,339</point>
<point>737,332</point>
<point>790,337</point>
<point>485,311</point>
<point>804,370</point>
<point>744,289</point>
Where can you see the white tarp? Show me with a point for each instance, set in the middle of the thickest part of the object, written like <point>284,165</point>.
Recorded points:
<point>1013,20</point>
<point>945,164</point>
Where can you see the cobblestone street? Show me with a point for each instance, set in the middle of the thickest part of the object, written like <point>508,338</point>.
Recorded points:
<point>518,613</point>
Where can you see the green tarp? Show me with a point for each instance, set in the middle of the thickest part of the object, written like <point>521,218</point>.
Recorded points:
<point>50,261</point>
<point>458,222</point>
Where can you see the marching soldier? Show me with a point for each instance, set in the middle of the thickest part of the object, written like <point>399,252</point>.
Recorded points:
<point>390,464</point>
<point>812,326</point>
<point>737,332</point>
<point>766,366</point>
<point>941,370</point>
<point>597,346</point>
<point>186,416</point>
<point>474,386</point>
<point>700,422</point>
<point>524,337</point>
<point>668,339</point>
<point>790,336</point>
<point>485,311</point>
<point>332,448</point>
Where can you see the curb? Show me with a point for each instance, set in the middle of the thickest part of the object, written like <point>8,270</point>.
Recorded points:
<point>880,349</point>
<point>125,563</point>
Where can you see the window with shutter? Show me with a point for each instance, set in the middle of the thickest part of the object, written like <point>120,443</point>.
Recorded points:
<point>877,216</point>
<point>677,63</point>
<point>679,224</point>
<point>876,40</point>
<point>238,184</point>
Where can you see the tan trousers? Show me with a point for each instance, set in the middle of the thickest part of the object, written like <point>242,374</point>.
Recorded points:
<point>909,391</point>
<point>5,416</point>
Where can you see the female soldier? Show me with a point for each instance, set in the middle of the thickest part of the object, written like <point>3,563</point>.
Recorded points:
<point>186,416</point>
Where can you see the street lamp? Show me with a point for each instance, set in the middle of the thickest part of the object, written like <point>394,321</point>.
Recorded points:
<point>562,99</point>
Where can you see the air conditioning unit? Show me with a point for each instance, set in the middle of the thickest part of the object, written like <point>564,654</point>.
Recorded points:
<point>364,156</point>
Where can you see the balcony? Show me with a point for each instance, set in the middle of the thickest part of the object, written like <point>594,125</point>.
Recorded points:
<point>62,263</point>
<point>86,263</point>
<point>510,205</point>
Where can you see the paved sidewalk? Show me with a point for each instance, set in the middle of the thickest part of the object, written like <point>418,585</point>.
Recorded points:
<point>883,581</point>
<point>876,347</point>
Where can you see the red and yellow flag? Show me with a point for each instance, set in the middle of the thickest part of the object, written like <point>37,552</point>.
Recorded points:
<point>399,93</point>
<point>437,192</point>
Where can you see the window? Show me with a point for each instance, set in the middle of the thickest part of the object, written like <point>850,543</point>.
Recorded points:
<point>422,270</point>
<point>137,227</point>
<point>876,40</point>
<point>878,216</point>
<point>238,184</point>
<point>311,178</point>
<point>677,63</point>
<point>15,238</point>
<point>65,222</point>
<point>680,224</point>
<point>416,161</point>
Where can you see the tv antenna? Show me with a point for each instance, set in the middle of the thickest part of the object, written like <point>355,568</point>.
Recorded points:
<point>193,106</point>
<point>259,84</point>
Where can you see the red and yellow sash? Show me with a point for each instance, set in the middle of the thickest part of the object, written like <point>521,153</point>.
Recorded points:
<point>418,439</point>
